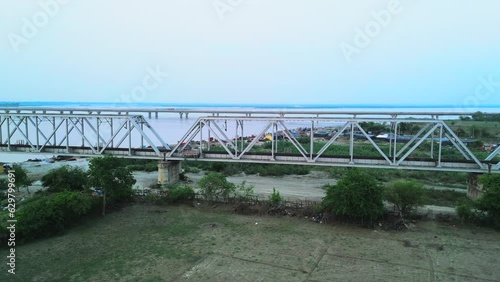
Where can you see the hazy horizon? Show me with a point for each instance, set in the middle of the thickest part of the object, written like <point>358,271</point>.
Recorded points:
<point>252,52</point>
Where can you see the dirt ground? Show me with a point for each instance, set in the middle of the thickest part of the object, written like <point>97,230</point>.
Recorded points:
<point>306,187</point>
<point>178,243</point>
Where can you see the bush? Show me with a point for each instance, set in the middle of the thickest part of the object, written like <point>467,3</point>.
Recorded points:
<point>214,186</point>
<point>490,200</point>
<point>356,195</point>
<point>48,215</point>
<point>275,197</point>
<point>244,192</point>
<point>178,194</point>
<point>65,178</point>
<point>406,195</point>
<point>465,211</point>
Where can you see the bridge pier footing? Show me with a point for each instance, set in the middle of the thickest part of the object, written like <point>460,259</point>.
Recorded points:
<point>168,172</point>
<point>474,189</point>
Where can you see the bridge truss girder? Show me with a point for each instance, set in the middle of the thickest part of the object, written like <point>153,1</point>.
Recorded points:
<point>97,133</point>
<point>396,157</point>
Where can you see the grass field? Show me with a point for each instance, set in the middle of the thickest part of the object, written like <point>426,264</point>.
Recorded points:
<point>153,243</point>
<point>490,130</point>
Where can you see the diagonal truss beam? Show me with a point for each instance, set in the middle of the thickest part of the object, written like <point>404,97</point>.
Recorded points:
<point>63,128</point>
<point>373,143</point>
<point>334,138</point>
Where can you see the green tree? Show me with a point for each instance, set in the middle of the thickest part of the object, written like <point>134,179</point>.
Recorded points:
<point>214,186</point>
<point>406,195</point>
<point>490,200</point>
<point>65,178</point>
<point>110,174</point>
<point>22,179</point>
<point>356,195</point>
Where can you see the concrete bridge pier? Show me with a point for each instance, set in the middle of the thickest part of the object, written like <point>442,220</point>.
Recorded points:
<point>474,189</point>
<point>168,172</point>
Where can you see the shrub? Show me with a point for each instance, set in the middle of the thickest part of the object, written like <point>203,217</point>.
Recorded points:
<point>65,178</point>
<point>406,195</point>
<point>48,215</point>
<point>465,211</point>
<point>141,165</point>
<point>356,196</point>
<point>244,192</point>
<point>214,186</point>
<point>275,197</point>
<point>490,200</point>
<point>178,194</point>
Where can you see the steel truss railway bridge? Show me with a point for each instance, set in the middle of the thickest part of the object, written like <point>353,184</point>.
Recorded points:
<point>127,133</point>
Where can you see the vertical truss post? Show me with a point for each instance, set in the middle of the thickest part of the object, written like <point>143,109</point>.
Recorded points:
<point>236,140</point>
<point>395,142</point>
<point>67,134</point>
<point>8,132</point>
<point>390,139</point>
<point>142,137</point>
<point>311,148</point>
<point>129,137</point>
<point>54,128</point>
<point>98,145</point>
<point>432,145</point>
<point>351,143</point>
<point>27,130</point>
<point>37,134</point>
<point>208,133</point>
<point>272,140</point>
<point>242,139</point>
<point>112,131</point>
<point>440,145</point>
<point>277,137</point>
<point>201,140</point>
<point>83,134</point>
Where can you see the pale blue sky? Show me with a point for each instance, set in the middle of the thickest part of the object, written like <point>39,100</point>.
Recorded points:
<point>262,51</point>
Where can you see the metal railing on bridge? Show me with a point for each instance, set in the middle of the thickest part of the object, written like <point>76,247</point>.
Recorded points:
<point>280,137</point>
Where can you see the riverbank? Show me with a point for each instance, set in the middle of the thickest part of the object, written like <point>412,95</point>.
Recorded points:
<point>307,187</point>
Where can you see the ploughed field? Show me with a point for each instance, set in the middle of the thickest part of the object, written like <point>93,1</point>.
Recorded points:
<point>181,243</point>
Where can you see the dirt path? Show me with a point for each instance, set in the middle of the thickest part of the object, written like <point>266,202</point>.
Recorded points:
<point>307,187</point>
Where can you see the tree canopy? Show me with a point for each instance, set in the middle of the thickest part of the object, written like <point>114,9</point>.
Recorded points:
<point>65,178</point>
<point>110,174</point>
